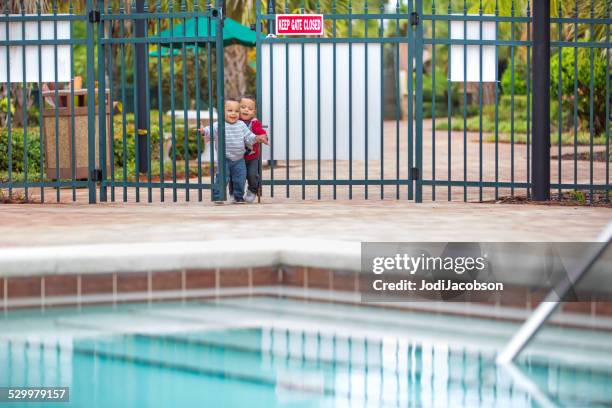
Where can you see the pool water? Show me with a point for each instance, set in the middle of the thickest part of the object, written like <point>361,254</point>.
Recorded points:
<point>271,352</point>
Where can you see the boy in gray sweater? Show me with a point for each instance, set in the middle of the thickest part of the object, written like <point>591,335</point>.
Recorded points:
<point>237,137</point>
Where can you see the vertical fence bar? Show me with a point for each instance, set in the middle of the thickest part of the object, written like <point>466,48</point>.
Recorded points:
<point>528,91</point>
<point>450,111</point>
<point>512,51</point>
<point>433,102</point>
<point>591,100</point>
<point>210,95</point>
<point>480,103</point>
<point>419,104</point>
<point>410,102</point>
<point>350,97</point>
<point>319,110</point>
<point>9,114</point>
<point>303,83</point>
<point>258,79</point>
<point>101,99</point>
<point>25,96</point>
<point>398,102</point>
<point>287,115</point>
<point>381,34</point>
<point>185,103</point>
<point>147,104</point>
<point>541,100</point>
<point>607,191</point>
<point>137,73</point>
<point>465,102</point>
<point>560,101</point>
<point>365,100</point>
<point>123,102</point>
<point>496,102</point>
<point>334,120</point>
<point>57,105</point>
<point>196,55</point>
<point>91,129</point>
<point>220,103</point>
<point>41,102</point>
<point>111,103</point>
<point>271,9</point>
<point>160,107</point>
<point>575,94</point>
<point>172,107</point>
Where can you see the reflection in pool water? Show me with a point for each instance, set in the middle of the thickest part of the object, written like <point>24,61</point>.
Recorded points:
<point>267,352</point>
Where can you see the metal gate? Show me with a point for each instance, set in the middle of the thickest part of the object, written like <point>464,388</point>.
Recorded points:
<point>450,102</point>
<point>163,154</point>
<point>113,97</point>
<point>333,136</point>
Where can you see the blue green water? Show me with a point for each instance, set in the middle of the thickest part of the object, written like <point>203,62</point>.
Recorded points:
<point>272,366</point>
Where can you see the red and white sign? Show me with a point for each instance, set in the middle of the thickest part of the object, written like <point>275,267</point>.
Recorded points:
<point>299,24</point>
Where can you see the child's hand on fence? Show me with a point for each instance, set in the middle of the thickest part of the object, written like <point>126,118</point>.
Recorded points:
<point>262,139</point>
<point>204,131</point>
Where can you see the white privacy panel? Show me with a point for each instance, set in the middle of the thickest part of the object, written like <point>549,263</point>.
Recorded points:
<point>472,68</point>
<point>11,58</point>
<point>287,110</point>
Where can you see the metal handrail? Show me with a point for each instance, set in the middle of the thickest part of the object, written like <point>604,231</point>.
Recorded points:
<point>550,303</point>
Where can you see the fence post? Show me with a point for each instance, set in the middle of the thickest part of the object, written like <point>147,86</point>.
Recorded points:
<point>141,91</point>
<point>540,158</point>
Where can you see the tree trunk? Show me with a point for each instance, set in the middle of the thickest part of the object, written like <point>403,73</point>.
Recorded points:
<point>17,94</point>
<point>235,60</point>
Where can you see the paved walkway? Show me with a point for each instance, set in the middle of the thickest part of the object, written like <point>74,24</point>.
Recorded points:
<point>375,220</point>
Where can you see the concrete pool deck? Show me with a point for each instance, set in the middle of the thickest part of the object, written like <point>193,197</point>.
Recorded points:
<point>355,221</point>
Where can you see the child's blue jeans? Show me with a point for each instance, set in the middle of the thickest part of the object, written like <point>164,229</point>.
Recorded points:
<point>235,172</point>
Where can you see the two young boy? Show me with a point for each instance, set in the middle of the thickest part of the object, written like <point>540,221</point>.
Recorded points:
<point>243,135</point>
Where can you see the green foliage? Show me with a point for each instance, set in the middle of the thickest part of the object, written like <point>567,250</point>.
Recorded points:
<point>579,196</point>
<point>130,139</point>
<point>441,93</point>
<point>579,81</point>
<point>17,150</point>
<point>4,106</point>
<point>79,52</point>
<point>178,82</point>
<point>520,78</point>
<point>505,125</point>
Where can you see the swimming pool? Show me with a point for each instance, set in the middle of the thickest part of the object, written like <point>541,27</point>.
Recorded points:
<point>279,352</point>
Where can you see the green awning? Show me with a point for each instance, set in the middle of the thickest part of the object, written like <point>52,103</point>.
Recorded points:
<point>165,52</point>
<point>233,33</point>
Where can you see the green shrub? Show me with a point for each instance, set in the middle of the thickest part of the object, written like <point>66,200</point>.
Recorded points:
<point>441,87</point>
<point>441,92</point>
<point>4,106</point>
<point>130,145</point>
<point>520,75</point>
<point>583,83</point>
<point>17,150</point>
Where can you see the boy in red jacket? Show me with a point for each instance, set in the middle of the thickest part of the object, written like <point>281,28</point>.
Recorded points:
<point>247,115</point>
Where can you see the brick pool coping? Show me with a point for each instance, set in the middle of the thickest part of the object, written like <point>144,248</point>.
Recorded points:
<point>94,274</point>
